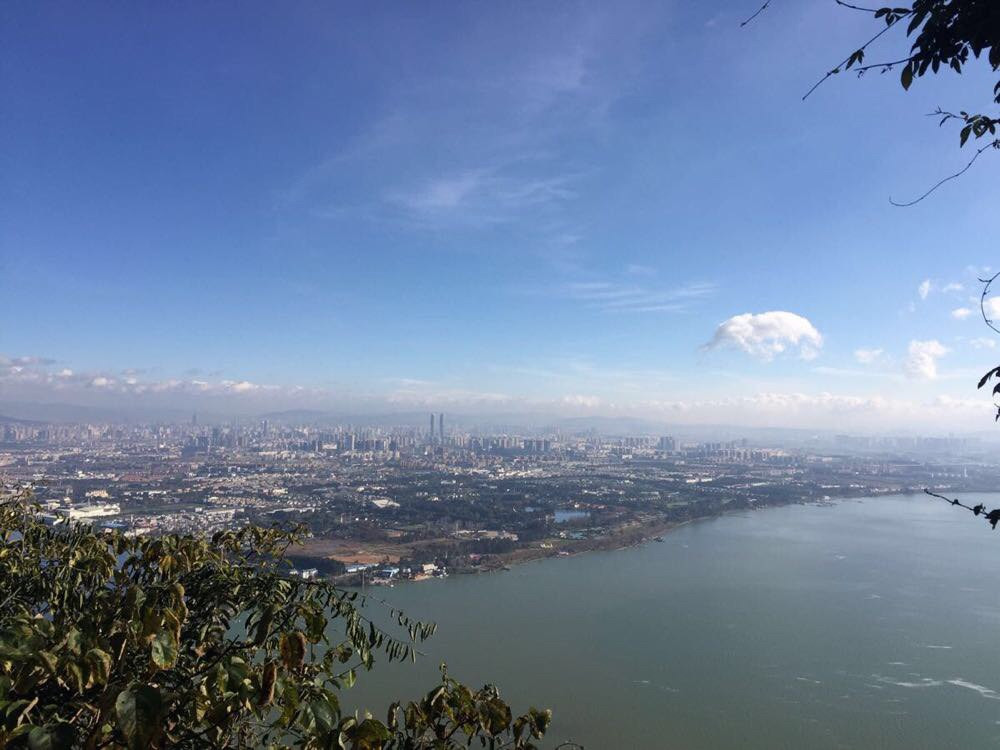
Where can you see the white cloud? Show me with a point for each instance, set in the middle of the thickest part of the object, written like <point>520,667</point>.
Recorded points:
<point>924,289</point>
<point>25,361</point>
<point>589,402</point>
<point>991,307</point>
<point>961,313</point>
<point>867,356</point>
<point>767,334</point>
<point>954,286</point>
<point>34,372</point>
<point>865,410</point>
<point>983,343</point>
<point>923,357</point>
<point>832,410</point>
<point>847,372</point>
<point>242,386</point>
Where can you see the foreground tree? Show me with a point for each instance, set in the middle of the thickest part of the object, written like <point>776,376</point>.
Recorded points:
<point>109,641</point>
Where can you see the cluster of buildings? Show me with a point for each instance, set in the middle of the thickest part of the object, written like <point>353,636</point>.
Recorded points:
<point>430,496</point>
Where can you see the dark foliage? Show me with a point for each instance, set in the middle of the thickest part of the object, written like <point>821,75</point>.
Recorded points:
<point>110,641</point>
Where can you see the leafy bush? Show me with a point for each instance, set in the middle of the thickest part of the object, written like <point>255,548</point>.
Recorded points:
<point>111,641</point>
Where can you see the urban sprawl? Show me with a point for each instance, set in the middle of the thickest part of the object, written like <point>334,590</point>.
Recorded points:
<point>381,504</point>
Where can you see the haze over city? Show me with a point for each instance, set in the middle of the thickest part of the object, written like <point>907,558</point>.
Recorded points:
<point>484,210</point>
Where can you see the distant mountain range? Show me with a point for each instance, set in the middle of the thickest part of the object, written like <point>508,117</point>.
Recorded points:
<point>70,413</point>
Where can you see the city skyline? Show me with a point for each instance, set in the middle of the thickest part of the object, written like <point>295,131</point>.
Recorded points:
<point>485,210</point>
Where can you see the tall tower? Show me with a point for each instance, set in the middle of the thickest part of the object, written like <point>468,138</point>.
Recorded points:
<point>441,427</point>
<point>432,427</point>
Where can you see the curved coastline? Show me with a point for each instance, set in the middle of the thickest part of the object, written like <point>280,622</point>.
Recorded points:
<point>637,533</point>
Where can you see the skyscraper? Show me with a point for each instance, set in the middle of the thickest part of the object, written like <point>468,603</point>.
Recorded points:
<point>441,427</point>
<point>432,427</point>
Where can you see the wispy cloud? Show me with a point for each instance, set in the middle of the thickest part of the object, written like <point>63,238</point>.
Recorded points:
<point>577,388</point>
<point>10,363</point>
<point>867,356</point>
<point>982,342</point>
<point>847,372</point>
<point>637,269</point>
<point>442,194</point>
<point>922,361</point>
<point>482,197</point>
<point>618,297</point>
<point>472,149</point>
<point>37,373</point>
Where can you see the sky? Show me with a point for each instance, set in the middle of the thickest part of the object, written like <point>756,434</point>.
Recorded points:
<point>569,208</point>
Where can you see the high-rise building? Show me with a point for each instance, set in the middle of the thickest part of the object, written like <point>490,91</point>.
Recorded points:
<point>441,427</point>
<point>432,427</point>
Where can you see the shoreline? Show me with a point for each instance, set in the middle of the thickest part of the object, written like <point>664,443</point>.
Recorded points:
<point>649,533</point>
<point>620,538</point>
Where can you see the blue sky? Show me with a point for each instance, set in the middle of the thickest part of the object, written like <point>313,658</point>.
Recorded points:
<point>483,207</point>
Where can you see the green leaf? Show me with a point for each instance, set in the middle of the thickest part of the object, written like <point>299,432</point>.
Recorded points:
<point>906,78</point>
<point>139,709</point>
<point>163,650</point>
<point>100,665</point>
<point>52,737</point>
<point>75,672</point>
<point>73,641</point>
<point>48,660</point>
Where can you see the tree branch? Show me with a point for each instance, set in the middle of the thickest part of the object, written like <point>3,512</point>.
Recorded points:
<point>992,518</point>
<point>856,7</point>
<point>847,60</point>
<point>759,10</point>
<point>982,300</point>
<point>939,183</point>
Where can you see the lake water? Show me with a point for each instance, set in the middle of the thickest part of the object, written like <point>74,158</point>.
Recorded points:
<point>869,623</point>
<point>562,516</point>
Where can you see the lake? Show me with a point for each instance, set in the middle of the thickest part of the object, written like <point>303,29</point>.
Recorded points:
<point>868,623</point>
<point>563,516</point>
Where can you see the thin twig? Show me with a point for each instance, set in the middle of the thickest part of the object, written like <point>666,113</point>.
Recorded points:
<point>847,59</point>
<point>759,10</point>
<point>959,173</point>
<point>856,7</point>
<point>950,501</point>
<point>992,517</point>
<point>982,300</point>
<point>887,65</point>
